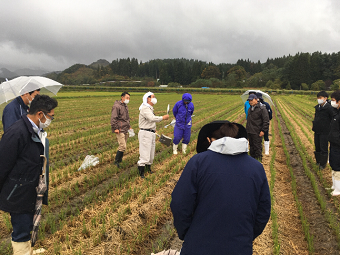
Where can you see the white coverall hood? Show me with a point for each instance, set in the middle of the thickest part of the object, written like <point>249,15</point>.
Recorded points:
<point>229,145</point>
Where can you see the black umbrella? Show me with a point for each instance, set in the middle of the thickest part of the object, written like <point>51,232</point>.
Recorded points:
<point>41,188</point>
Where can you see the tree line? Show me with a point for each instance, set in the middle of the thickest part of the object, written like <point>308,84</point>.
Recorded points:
<point>303,71</point>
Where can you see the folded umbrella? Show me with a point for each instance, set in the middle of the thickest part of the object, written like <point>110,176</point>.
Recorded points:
<point>41,189</point>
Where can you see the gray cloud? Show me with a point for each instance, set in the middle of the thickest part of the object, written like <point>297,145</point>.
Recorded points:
<point>56,34</point>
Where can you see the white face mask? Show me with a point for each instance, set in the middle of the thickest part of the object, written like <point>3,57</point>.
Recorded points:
<point>334,104</point>
<point>45,124</point>
<point>321,101</point>
<point>154,100</point>
<point>126,101</point>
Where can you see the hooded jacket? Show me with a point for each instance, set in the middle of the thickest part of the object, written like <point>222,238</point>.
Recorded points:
<point>120,117</point>
<point>20,167</point>
<point>221,202</point>
<point>13,112</point>
<point>258,119</point>
<point>183,112</point>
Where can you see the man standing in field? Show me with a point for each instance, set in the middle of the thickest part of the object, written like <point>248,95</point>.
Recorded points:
<point>270,115</point>
<point>120,124</point>
<point>21,165</point>
<point>182,111</point>
<point>334,141</point>
<point>321,127</point>
<point>18,107</point>
<point>147,133</point>
<point>257,125</point>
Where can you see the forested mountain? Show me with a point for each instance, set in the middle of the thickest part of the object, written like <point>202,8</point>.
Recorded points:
<point>302,71</point>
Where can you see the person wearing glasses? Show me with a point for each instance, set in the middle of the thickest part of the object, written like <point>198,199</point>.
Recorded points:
<point>21,161</point>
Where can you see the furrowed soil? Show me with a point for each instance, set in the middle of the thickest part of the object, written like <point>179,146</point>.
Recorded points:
<point>323,237</point>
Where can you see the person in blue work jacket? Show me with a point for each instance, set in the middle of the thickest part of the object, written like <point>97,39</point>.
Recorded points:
<point>247,105</point>
<point>221,202</point>
<point>183,111</point>
<point>17,108</point>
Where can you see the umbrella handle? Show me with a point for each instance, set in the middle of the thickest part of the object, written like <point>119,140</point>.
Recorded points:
<point>45,163</point>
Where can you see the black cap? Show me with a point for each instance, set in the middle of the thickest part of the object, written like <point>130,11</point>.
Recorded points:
<point>208,129</point>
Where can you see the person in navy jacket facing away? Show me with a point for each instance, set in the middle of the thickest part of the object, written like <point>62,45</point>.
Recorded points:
<point>18,107</point>
<point>183,111</point>
<point>221,202</point>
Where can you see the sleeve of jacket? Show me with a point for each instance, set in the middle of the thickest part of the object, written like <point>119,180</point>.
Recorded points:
<point>150,116</point>
<point>184,195</point>
<point>263,210</point>
<point>10,147</point>
<point>265,119</point>
<point>175,110</point>
<point>9,116</point>
<point>114,118</point>
<point>269,110</point>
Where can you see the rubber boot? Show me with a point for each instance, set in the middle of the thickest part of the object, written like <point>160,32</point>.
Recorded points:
<point>174,148</point>
<point>266,147</point>
<point>118,159</point>
<point>141,171</point>
<point>332,182</point>
<point>148,169</point>
<point>336,191</point>
<point>317,157</point>
<point>184,148</point>
<point>22,248</point>
<point>323,161</point>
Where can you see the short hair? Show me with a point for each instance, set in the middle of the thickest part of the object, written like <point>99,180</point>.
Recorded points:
<point>42,103</point>
<point>31,92</point>
<point>124,94</point>
<point>336,95</point>
<point>322,94</point>
<point>227,129</point>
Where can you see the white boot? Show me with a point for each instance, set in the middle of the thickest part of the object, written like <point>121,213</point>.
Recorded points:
<point>332,182</point>
<point>22,248</point>
<point>266,147</point>
<point>336,191</point>
<point>174,148</point>
<point>184,148</point>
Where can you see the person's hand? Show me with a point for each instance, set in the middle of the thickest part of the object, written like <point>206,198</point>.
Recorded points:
<point>261,134</point>
<point>166,117</point>
<point>117,131</point>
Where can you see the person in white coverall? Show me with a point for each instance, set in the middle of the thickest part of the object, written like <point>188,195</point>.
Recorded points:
<point>147,133</point>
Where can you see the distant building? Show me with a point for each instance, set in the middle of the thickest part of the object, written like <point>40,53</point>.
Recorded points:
<point>163,86</point>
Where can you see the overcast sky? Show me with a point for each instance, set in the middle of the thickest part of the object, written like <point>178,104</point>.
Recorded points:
<point>54,35</point>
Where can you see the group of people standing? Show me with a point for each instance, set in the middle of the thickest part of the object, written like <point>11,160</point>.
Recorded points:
<point>326,127</point>
<point>120,124</point>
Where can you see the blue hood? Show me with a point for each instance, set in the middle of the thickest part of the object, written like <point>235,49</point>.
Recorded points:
<point>187,96</point>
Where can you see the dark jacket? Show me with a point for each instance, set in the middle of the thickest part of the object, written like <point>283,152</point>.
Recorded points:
<point>269,109</point>
<point>258,120</point>
<point>183,112</point>
<point>20,167</point>
<point>221,202</point>
<point>334,132</point>
<point>13,112</point>
<point>323,117</point>
<point>120,117</point>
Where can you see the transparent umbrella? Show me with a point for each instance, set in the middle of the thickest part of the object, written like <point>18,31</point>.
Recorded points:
<point>23,84</point>
<point>265,96</point>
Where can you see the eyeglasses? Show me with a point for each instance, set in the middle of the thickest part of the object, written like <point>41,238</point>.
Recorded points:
<point>51,117</point>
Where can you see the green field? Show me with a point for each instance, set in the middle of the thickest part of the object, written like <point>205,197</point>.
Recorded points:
<point>105,210</point>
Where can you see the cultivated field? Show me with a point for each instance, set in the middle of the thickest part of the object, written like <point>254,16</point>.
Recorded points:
<point>105,210</point>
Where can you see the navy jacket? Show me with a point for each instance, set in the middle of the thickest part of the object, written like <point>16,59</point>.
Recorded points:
<point>221,202</point>
<point>13,112</point>
<point>20,167</point>
<point>269,109</point>
<point>183,112</point>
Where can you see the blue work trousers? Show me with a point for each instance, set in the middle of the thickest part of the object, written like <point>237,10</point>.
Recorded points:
<point>180,134</point>
<point>22,224</point>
